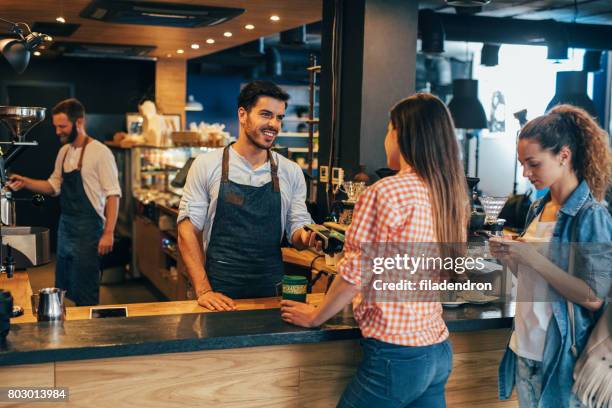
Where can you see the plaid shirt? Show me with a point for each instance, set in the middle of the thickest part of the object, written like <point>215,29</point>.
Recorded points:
<point>394,210</point>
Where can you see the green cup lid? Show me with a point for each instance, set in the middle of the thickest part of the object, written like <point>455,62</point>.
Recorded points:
<point>294,280</point>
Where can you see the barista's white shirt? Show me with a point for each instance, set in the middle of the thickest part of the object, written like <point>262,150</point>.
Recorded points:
<point>99,172</point>
<point>200,195</point>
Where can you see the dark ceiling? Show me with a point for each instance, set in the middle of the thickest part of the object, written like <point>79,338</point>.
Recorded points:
<point>580,11</point>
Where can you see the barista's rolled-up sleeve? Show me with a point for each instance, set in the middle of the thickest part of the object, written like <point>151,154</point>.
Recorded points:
<point>55,179</point>
<point>109,175</point>
<point>195,200</point>
<point>297,215</point>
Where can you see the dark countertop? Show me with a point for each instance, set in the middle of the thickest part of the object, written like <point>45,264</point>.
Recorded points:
<point>29,343</point>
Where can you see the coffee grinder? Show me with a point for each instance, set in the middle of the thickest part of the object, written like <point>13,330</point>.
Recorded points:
<point>20,246</point>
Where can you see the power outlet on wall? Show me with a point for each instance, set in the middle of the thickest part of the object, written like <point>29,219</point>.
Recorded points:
<point>337,175</point>
<point>324,174</point>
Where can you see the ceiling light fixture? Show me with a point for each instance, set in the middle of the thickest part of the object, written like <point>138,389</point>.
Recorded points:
<point>466,109</point>
<point>227,34</point>
<point>571,87</point>
<point>210,41</point>
<point>249,27</point>
<point>192,105</point>
<point>17,50</point>
<point>37,53</point>
<point>432,32</point>
<point>489,55</point>
<point>591,61</point>
<point>274,17</point>
<point>180,51</point>
<point>195,46</point>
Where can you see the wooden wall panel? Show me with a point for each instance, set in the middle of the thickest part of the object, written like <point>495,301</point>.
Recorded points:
<point>304,376</point>
<point>29,375</point>
<point>171,86</point>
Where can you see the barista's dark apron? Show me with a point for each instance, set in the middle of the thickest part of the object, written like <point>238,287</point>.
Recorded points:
<point>80,228</point>
<point>243,258</point>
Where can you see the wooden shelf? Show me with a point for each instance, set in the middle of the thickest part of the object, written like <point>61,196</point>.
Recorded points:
<point>298,119</point>
<point>295,134</point>
<point>301,150</point>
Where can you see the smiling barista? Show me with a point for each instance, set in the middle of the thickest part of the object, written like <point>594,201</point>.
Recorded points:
<point>241,199</point>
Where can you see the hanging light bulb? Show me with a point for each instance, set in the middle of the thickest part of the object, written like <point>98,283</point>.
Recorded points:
<point>192,105</point>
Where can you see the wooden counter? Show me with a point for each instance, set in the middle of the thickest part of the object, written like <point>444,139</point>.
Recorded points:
<point>20,288</point>
<point>284,375</point>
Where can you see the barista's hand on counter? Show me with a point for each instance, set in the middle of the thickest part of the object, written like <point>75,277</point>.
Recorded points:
<point>298,313</point>
<point>216,301</point>
<point>16,182</point>
<point>105,245</point>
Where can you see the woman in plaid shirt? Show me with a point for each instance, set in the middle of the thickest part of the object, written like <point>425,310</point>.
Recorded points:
<point>407,356</point>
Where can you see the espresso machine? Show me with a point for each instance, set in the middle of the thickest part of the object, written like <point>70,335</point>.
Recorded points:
<point>344,208</point>
<point>20,246</point>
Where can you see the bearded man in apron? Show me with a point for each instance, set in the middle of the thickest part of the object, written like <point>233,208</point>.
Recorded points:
<point>86,179</point>
<point>240,200</point>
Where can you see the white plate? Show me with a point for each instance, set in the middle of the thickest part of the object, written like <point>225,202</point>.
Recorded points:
<point>453,304</point>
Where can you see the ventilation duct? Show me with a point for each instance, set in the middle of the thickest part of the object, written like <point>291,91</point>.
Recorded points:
<point>253,48</point>
<point>274,65</point>
<point>296,36</point>
<point>158,14</point>
<point>95,50</point>
<point>55,29</point>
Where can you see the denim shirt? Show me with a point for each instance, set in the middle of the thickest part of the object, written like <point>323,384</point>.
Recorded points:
<point>593,264</point>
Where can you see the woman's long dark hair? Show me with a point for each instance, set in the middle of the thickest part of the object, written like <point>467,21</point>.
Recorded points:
<point>427,142</point>
<point>567,125</point>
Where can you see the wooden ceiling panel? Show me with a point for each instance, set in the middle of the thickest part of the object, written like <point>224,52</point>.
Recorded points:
<point>293,13</point>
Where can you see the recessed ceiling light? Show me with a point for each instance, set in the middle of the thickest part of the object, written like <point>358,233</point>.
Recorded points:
<point>274,17</point>
<point>180,51</point>
<point>227,34</point>
<point>210,41</point>
<point>60,19</point>
<point>169,55</point>
<point>249,27</point>
<point>37,53</point>
<point>195,46</point>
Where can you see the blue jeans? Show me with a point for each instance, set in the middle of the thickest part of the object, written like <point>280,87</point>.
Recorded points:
<point>399,376</point>
<point>529,384</point>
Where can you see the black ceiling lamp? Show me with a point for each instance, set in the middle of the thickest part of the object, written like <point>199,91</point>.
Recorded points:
<point>432,32</point>
<point>572,89</point>
<point>489,55</point>
<point>17,50</point>
<point>467,3</point>
<point>467,7</point>
<point>592,61</point>
<point>468,113</point>
<point>466,109</point>
<point>557,42</point>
